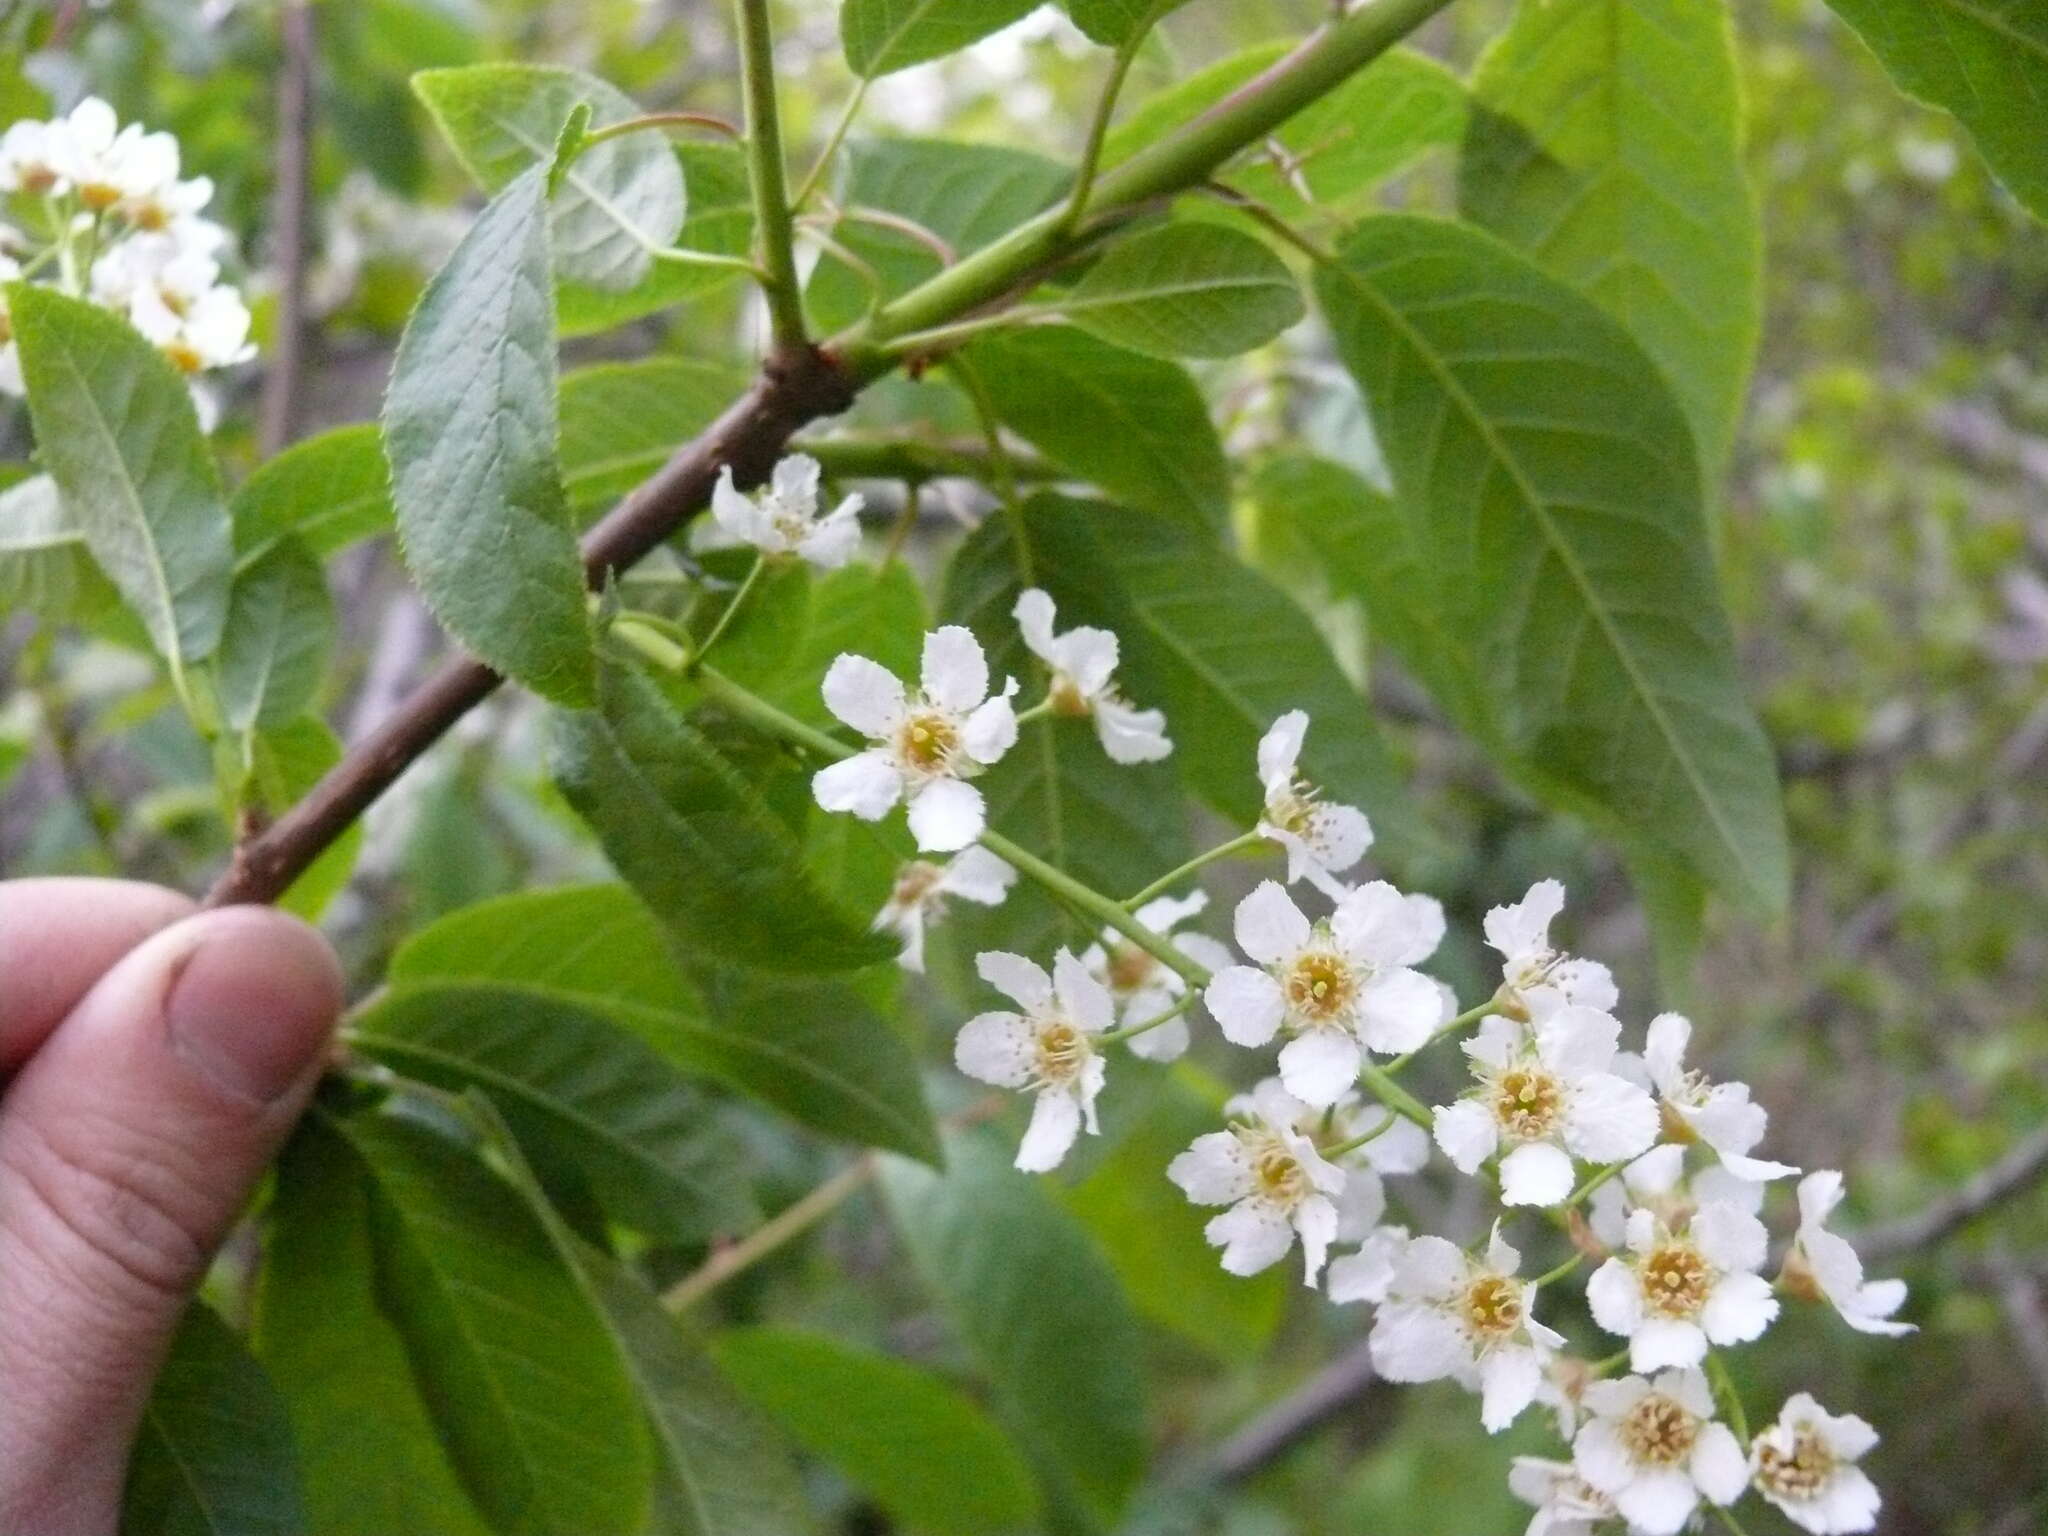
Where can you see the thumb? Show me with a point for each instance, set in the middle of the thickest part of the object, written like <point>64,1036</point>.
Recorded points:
<point>128,1145</point>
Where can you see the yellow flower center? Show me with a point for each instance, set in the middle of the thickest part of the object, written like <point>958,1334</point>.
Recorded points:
<point>184,355</point>
<point>1276,1171</point>
<point>1320,986</point>
<point>1062,1051</point>
<point>1659,1431</point>
<point>1293,809</point>
<point>1528,1103</point>
<point>1130,968</point>
<point>1676,1280</point>
<point>914,881</point>
<point>36,179</point>
<point>1066,696</point>
<point>1492,1307</point>
<point>98,195</point>
<point>1799,1474</point>
<point>927,741</point>
<point>149,215</point>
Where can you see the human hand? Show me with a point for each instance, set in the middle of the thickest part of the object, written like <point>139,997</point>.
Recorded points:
<point>154,1058</point>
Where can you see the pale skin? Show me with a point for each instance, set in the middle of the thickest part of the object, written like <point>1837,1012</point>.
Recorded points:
<point>152,1060</point>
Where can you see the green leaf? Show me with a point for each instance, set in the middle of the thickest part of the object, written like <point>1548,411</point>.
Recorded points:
<point>116,430</point>
<point>469,427</point>
<point>213,1456</point>
<point>1551,505</point>
<point>782,648</point>
<point>280,629</point>
<point>815,1052</point>
<point>1606,143</point>
<point>1153,1236</point>
<point>1113,23</point>
<point>33,517</point>
<point>1337,149</point>
<point>720,221</point>
<point>574,1085</point>
<point>1136,426</point>
<point>618,202</point>
<point>1039,1309</point>
<point>329,490</point>
<point>926,1453</point>
<point>622,421</point>
<point>882,36</point>
<point>1983,60</point>
<point>693,835</point>
<point>1185,290</point>
<point>964,194</point>
<point>367,1447</point>
<point>285,762</point>
<point>513,1362</point>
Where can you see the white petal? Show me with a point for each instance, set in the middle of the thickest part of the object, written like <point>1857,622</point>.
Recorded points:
<point>996,1048</point>
<point>1253,1234</point>
<point>1875,1302</point>
<point>736,513</point>
<point>1055,1122</point>
<point>1316,1220</point>
<point>795,481</point>
<point>1412,1341</point>
<point>1168,1042</point>
<point>990,730</point>
<point>1663,1341</point>
<point>946,815</point>
<point>1402,1147</point>
<point>1398,1011</point>
<point>1022,981</point>
<point>1034,615</point>
<point>979,876</point>
<point>1366,1274</point>
<point>1615,1296</point>
<point>866,784</point>
<point>1850,1502</point>
<point>1729,1238</point>
<point>1338,836</point>
<point>1269,926</point>
<point>1088,656</point>
<point>1467,1133</point>
<point>1213,1171</point>
<point>1738,1309</point>
<point>1318,1067</point>
<point>1601,1458</point>
<point>865,694</point>
<point>834,540</point>
<point>1430,1268</point>
<point>1819,1193</point>
<point>1664,1050</point>
<point>1280,748</point>
<point>1086,1001</point>
<point>1657,1172</point>
<point>1717,1464</point>
<point>1163,914</point>
<point>1246,1004</point>
<point>1131,735</point>
<point>1608,1120</point>
<point>1501,1256</point>
<point>954,671</point>
<point>1535,1173</point>
<point>1658,1503</point>
<point>1574,1041</point>
<point>1362,1204</point>
<point>1508,1379</point>
<point>1524,927</point>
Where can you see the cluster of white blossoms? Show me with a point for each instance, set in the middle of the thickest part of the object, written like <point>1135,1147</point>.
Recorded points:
<point>1628,1159</point>
<point>99,211</point>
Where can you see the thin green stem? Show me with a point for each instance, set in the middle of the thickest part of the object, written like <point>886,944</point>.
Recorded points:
<point>1552,1276</point>
<point>1094,904</point>
<point>683,256</point>
<point>1592,1183</point>
<point>1731,1400</point>
<point>1038,711</point>
<point>1612,1363</point>
<point>766,174</point>
<point>752,707</point>
<point>1098,131</point>
<point>1344,1148</point>
<point>1728,1519</point>
<point>906,520</point>
<point>1464,1020</point>
<point>924,343</point>
<point>658,120</point>
<point>724,620</point>
<point>1395,1097</point>
<point>790,1222</point>
<point>1132,1031</point>
<point>837,137</point>
<point>1173,877</point>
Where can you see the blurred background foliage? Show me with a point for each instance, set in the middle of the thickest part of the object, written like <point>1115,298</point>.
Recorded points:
<point>1883,544</point>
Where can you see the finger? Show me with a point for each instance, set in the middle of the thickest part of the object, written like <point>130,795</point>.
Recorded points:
<point>57,937</point>
<point>128,1144</point>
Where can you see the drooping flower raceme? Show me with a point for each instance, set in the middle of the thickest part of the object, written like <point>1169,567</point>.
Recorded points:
<point>1675,1292</point>
<point>922,889</point>
<point>1447,1314</point>
<point>1824,1263</point>
<point>1520,933</point>
<point>1805,1464</point>
<point>925,745</point>
<point>1338,988</point>
<point>1143,985</point>
<point>1274,1181</point>
<point>1322,839</point>
<point>1083,663</point>
<point>1546,1094</point>
<point>1654,1447</point>
<point>1048,1049</point>
<point>782,518</point>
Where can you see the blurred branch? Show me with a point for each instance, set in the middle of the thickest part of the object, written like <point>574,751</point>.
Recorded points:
<point>1336,1388</point>
<point>2009,1176</point>
<point>2019,1297</point>
<point>289,219</point>
<point>1980,434</point>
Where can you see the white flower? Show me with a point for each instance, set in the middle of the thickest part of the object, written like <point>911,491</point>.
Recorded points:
<point>924,744</point>
<point>1718,1114</point>
<point>1322,840</point>
<point>1394,1145</point>
<point>1083,661</point>
<point>104,164</point>
<point>782,517</point>
<point>1823,1263</point>
<point>1566,1504</point>
<point>1674,1293</point>
<point>172,208</point>
<point>1049,1048</point>
<point>1144,986</point>
<point>922,888</point>
<point>26,162</point>
<point>1806,1465</point>
<point>210,332</point>
<point>1368,1274</point>
<point>1338,987</point>
<point>1654,1447</point>
<point>1521,934</point>
<point>1274,1181</point>
<point>1447,1314</point>
<point>1546,1094</point>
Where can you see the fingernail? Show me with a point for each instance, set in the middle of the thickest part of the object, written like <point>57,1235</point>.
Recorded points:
<point>256,1001</point>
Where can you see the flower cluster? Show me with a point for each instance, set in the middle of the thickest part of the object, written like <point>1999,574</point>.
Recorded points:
<point>1628,1158</point>
<point>100,211</point>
